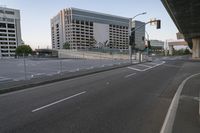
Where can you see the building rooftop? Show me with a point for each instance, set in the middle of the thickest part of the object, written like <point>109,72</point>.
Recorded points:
<point>95,12</point>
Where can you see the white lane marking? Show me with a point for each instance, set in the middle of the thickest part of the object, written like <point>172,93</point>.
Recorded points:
<point>170,117</point>
<point>136,69</point>
<point>51,104</point>
<point>127,76</point>
<point>155,66</point>
<point>190,97</point>
<point>143,65</point>
<point>132,68</point>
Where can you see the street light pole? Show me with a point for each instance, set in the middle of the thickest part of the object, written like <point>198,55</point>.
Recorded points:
<point>147,43</point>
<point>139,15</point>
<point>130,46</point>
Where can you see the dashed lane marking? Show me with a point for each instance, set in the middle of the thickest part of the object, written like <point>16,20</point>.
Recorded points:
<point>127,76</point>
<point>56,102</point>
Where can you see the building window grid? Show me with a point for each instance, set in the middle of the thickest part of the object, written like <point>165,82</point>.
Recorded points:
<point>78,31</point>
<point>82,32</point>
<point>118,38</point>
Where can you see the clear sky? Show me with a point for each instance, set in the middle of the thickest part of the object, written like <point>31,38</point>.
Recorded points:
<point>36,14</point>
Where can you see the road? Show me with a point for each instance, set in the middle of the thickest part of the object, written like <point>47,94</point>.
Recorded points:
<point>125,100</point>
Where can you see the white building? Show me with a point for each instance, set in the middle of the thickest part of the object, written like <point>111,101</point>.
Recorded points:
<point>82,29</point>
<point>157,45</point>
<point>10,31</point>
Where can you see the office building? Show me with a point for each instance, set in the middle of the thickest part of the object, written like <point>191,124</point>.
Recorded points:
<point>84,29</point>
<point>10,31</point>
<point>139,34</point>
<point>157,45</point>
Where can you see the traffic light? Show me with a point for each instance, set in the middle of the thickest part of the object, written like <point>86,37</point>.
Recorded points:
<point>149,44</point>
<point>132,38</point>
<point>158,24</point>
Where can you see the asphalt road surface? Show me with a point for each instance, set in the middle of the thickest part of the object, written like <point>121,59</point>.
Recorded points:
<point>133,99</point>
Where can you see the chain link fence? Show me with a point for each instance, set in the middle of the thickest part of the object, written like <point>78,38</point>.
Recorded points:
<point>67,61</point>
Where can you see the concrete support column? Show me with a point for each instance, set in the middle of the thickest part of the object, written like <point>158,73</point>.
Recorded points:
<point>196,48</point>
<point>171,49</point>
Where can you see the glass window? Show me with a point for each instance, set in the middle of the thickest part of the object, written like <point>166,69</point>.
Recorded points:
<point>2,25</point>
<point>11,26</point>
<point>11,31</point>
<point>10,12</point>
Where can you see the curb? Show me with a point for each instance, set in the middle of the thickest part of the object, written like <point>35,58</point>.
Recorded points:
<point>25,84</point>
<point>199,104</point>
<point>167,126</point>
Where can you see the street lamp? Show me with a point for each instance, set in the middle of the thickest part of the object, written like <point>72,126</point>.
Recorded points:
<point>148,42</point>
<point>130,46</point>
<point>139,15</point>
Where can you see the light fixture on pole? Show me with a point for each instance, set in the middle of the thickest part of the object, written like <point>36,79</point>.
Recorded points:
<point>139,15</point>
<point>130,46</point>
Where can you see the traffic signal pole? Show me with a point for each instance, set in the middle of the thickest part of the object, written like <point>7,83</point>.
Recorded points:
<point>158,23</point>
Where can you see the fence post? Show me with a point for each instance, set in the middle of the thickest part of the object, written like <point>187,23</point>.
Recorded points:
<point>25,76</point>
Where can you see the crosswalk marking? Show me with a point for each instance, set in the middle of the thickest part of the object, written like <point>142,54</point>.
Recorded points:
<point>148,67</point>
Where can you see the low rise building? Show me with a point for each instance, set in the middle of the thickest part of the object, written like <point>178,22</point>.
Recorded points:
<point>157,45</point>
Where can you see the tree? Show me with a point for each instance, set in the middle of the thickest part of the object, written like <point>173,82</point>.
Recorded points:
<point>92,42</point>
<point>23,50</point>
<point>187,51</point>
<point>105,44</point>
<point>66,45</point>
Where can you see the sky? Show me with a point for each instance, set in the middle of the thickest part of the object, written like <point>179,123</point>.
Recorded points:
<point>36,15</point>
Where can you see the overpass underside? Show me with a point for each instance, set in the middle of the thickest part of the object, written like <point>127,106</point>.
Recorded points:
<point>185,14</point>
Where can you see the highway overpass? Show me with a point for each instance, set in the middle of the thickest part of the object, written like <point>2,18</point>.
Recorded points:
<point>171,45</point>
<point>185,15</point>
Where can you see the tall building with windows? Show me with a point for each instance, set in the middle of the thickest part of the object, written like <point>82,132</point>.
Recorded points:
<point>81,29</point>
<point>139,34</point>
<point>10,31</point>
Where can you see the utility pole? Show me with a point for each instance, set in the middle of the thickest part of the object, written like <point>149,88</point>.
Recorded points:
<point>130,36</point>
<point>158,26</point>
<point>25,76</point>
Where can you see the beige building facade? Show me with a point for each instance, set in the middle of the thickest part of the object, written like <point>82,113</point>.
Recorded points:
<point>83,29</point>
